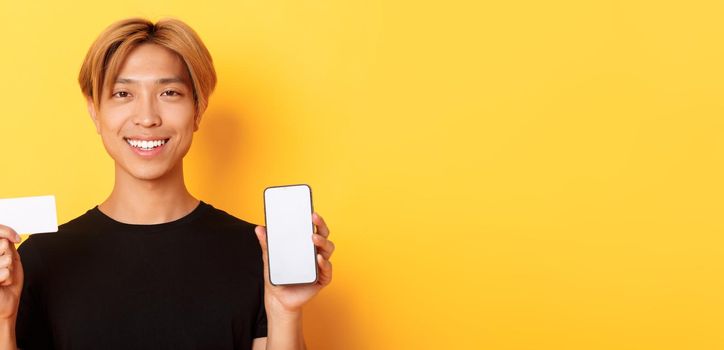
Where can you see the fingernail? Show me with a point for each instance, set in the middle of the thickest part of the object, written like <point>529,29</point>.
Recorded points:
<point>18,238</point>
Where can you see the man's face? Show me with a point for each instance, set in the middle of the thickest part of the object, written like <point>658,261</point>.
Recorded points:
<point>146,119</point>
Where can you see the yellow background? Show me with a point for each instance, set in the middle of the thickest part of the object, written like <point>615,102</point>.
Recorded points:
<point>497,174</point>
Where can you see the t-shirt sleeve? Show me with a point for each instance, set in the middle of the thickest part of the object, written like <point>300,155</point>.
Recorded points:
<point>32,330</point>
<point>260,331</point>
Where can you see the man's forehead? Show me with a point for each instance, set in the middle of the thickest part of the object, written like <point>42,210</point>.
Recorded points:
<point>156,80</point>
<point>152,62</point>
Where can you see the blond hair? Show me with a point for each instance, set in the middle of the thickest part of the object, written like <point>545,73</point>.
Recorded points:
<point>105,57</point>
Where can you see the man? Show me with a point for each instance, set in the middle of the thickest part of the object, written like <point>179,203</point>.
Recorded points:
<point>151,267</point>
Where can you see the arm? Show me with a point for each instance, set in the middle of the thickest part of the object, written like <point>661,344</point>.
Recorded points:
<point>284,333</point>
<point>7,334</point>
<point>284,303</point>
<point>11,284</point>
<point>285,330</point>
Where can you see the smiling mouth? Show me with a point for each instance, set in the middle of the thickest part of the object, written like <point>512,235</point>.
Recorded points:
<point>146,145</point>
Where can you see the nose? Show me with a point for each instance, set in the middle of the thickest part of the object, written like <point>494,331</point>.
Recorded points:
<point>147,114</point>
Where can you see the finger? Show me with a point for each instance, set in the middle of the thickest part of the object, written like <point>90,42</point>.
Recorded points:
<point>325,270</point>
<point>322,228</point>
<point>5,277</point>
<point>4,246</point>
<point>6,260</point>
<point>9,234</point>
<point>326,247</point>
<point>261,236</point>
<point>11,268</point>
<point>9,252</point>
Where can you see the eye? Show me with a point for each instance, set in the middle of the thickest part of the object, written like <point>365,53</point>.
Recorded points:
<point>121,94</point>
<point>170,93</point>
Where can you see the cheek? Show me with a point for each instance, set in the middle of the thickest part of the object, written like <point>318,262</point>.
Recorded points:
<point>110,130</point>
<point>112,119</point>
<point>181,117</point>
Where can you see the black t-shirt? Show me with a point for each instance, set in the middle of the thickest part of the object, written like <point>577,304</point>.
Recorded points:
<point>193,283</point>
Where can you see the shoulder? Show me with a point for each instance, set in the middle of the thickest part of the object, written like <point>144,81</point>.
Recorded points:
<point>231,240</point>
<point>90,228</point>
<point>68,234</point>
<point>225,228</point>
<point>41,250</point>
<point>221,220</point>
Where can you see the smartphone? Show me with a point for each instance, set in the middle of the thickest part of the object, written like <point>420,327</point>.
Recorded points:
<point>289,228</point>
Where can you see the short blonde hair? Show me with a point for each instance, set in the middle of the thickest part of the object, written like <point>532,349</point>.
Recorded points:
<point>105,57</point>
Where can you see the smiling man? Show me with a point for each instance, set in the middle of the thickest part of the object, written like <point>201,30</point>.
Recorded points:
<point>150,267</point>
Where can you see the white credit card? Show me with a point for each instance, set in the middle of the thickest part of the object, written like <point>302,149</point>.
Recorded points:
<point>29,214</point>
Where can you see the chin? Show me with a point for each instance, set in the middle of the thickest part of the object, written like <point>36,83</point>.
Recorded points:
<point>148,175</point>
<point>147,172</point>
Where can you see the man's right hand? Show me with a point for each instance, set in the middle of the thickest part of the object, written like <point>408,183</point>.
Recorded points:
<point>11,274</point>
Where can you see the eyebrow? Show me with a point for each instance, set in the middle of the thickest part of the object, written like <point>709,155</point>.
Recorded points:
<point>174,79</point>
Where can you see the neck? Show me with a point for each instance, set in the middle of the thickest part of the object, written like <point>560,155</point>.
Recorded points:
<point>155,201</point>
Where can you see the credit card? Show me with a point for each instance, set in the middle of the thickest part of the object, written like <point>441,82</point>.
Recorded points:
<point>29,214</point>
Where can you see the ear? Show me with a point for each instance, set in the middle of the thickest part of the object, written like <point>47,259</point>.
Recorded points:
<point>93,113</point>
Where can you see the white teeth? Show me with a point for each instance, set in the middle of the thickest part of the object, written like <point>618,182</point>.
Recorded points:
<point>146,144</point>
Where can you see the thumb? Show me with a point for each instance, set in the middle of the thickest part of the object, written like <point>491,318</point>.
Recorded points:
<point>17,271</point>
<point>261,236</point>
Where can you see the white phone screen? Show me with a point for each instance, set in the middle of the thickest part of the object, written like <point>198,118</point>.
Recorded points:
<point>291,252</point>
